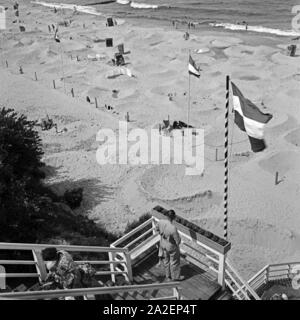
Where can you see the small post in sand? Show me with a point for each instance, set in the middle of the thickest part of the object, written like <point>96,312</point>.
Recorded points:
<point>276,178</point>
<point>96,102</point>
<point>6,64</point>
<point>35,75</point>
<point>216,154</point>
<point>72,92</point>
<point>54,84</point>
<point>127,116</point>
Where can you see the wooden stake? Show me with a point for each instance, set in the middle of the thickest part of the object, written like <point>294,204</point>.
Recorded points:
<point>6,64</point>
<point>36,79</point>
<point>276,178</point>
<point>72,92</point>
<point>96,102</point>
<point>54,84</point>
<point>216,154</point>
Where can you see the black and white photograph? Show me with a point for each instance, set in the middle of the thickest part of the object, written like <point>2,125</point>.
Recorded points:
<point>149,151</point>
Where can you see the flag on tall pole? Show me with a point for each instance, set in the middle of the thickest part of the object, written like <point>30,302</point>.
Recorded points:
<point>250,119</point>
<point>193,69</point>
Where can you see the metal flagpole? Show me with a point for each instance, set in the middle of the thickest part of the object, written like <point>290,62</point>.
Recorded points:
<point>226,161</point>
<point>189,97</point>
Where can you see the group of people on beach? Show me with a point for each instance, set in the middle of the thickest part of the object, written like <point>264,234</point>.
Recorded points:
<point>190,24</point>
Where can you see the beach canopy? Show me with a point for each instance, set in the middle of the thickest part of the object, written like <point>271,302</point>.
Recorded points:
<point>119,59</point>
<point>109,42</point>
<point>118,72</point>
<point>121,48</point>
<point>292,50</point>
<point>250,119</point>
<point>111,22</point>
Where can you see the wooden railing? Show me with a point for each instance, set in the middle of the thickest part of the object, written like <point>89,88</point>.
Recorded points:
<point>117,257</point>
<point>40,268</point>
<point>273,272</point>
<point>88,292</point>
<point>239,288</point>
<point>145,237</point>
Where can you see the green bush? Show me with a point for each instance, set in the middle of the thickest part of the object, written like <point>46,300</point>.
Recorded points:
<point>29,211</point>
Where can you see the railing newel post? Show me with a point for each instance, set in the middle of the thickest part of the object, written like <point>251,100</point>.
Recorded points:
<point>221,270</point>
<point>39,264</point>
<point>111,257</point>
<point>128,265</point>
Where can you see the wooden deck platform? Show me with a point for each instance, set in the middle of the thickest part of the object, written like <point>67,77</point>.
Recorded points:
<point>198,284</point>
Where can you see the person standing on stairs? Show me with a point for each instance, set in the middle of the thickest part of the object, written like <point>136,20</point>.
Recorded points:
<point>169,245</point>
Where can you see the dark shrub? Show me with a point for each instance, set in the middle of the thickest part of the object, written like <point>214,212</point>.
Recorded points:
<point>73,197</point>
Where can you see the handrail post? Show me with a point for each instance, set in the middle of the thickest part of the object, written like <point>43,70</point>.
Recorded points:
<point>176,293</point>
<point>129,266</point>
<point>153,226</point>
<point>2,278</point>
<point>221,270</point>
<point>40,264</point>
<point>111,257</point>
<point>267,274</point>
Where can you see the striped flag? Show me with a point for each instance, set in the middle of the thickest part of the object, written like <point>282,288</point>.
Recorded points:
<point>193,69</point>
<point>250,119</point>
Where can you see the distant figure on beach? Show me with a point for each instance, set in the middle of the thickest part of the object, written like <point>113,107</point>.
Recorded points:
<point>169,247</point>
<point>108,107</point>
<point>186,36</point>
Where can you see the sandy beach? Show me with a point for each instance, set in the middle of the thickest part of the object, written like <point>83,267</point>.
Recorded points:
<point>264,218</point>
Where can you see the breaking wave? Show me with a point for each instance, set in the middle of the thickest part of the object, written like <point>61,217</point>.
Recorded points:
<point>260,29</point>
<point>85,9</point>
<point>137,5</point>
<point>123,1</point>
